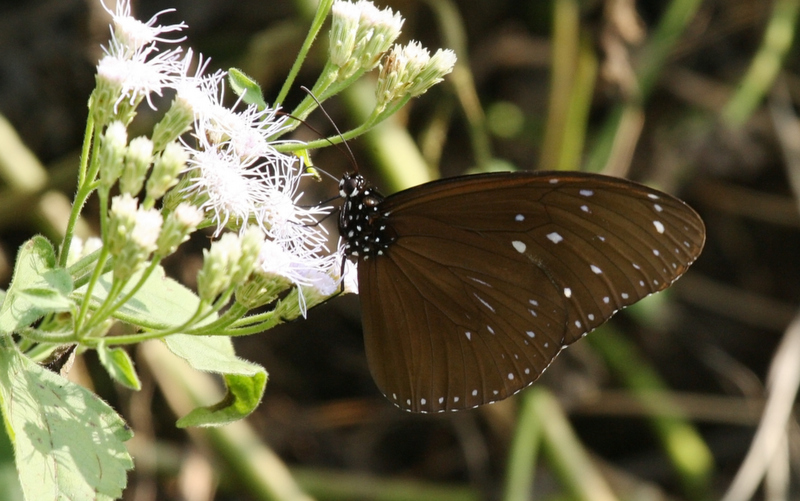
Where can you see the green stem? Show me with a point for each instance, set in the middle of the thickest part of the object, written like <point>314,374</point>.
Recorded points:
<point>234,313</point>
<point>40,336</point>
<point>134,338</point>
<point>270,321</point>
<point>316,25</point>
<point>670,28</point>
<point>337,87</point>
<point>766,65</point>
<point>309,104</point>
<point>96,274</point>
<point>81,272</point>
<point>682,443</point>
<point>524,449</point>
<point>109,306</point>
<point>371,122</point>
<point>80,198</point>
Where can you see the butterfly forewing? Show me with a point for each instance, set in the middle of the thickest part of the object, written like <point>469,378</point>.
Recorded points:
<point>487,277</point>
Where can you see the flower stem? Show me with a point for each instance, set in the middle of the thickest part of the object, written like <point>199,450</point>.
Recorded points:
<point>98,272</point>
<point>80,198</point>
<point>316,25</point>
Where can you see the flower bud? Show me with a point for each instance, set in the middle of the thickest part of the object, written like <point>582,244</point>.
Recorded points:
<point>178,225</point>
<point>112,153</point>
<point>344,27</point>
<point>131,249</point>
<point>410,70</point>
<point>166,169</point>
<point>137,161</point>
<point>251,241</point>
<point>122,218</point>
<point>439,65</point>
<point>177,120</point>
<point>220,264</point>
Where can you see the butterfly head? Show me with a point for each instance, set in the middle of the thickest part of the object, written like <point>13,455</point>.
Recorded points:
<point>352,185</point>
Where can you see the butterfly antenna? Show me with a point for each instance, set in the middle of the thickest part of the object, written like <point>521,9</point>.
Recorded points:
<point>315,131</point>
<point>338,132</point>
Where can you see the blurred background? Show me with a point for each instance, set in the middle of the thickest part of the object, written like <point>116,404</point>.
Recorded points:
<point>697,98</point>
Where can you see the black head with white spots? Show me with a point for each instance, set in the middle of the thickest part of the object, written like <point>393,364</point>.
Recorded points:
<point>363,227</point>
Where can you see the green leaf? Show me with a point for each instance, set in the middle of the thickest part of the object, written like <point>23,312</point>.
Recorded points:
<point>119,366</point>
<point>10,489</point>
<point>37,287</point>
<point>68,443</point>
<point>245,380</point>
<point>161,303</point>
<point>243,396</point>
<point>247,88</point>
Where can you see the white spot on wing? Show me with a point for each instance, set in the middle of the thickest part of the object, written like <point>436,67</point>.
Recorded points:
<point>659,226</point>
<point>520,246</point>
<point>480,281</point>
<point>510,376</point>
<point>519,218</point>
<point>530,334</point>
<point>554,237</point>
<point>586,193</point>
<point>483,301</point>
<point>567,292</point>
<point>469,335</point>
<point>596,270</point>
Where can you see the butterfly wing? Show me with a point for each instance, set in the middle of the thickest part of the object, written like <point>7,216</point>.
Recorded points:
<point>491,275</point>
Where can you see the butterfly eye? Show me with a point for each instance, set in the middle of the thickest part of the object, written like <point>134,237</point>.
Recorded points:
<point>349,185</point>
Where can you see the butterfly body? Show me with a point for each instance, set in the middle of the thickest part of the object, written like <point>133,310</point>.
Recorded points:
<point>471,286</point>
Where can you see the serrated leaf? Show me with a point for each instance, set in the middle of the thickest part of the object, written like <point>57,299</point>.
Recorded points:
<point>245,380</point>
<point>37,287</point>
<point>247,88</point>
<point>119,366</point>
<point>68,443</point>
<point>160,303</point>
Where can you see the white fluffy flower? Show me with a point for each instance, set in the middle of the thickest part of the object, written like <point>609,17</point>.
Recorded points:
<point>132,35</point>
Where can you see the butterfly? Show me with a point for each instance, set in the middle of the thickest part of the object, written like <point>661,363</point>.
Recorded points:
<point>471,286</point>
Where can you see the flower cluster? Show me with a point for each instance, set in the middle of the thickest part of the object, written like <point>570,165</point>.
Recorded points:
<point>232,171</point>
<point>224,166</point>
